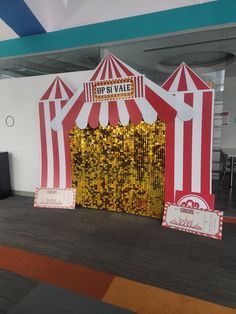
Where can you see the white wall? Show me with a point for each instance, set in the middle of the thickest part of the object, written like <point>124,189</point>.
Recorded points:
<point>229,104</point>
<point>19,98</point>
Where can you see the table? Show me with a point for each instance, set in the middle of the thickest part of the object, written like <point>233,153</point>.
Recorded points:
<point>231,154</point>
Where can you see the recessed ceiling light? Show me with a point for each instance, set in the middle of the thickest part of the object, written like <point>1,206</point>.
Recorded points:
<point>204,58</point>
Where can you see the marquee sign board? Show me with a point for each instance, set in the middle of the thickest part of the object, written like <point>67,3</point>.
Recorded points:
<point>114,89</point>
<point>203,222</point>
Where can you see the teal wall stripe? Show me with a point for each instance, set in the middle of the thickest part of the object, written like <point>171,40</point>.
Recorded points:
<point>192,17</point>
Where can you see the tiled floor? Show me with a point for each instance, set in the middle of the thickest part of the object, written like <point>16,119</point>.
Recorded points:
<point>127,294</point>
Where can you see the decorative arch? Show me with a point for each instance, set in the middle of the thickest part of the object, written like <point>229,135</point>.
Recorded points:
<point>118,94</point>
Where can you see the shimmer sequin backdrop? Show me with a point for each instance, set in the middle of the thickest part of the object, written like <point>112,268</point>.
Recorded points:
<point>120,168</point>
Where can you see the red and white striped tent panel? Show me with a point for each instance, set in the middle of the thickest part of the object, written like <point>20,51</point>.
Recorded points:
<point>149,101</point>
<point>55,170</point>
<point>192,145</point>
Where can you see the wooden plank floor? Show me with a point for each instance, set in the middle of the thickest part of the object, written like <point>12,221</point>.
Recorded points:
<point>132,247</point>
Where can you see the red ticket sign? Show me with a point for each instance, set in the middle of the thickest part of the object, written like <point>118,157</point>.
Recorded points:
<point>203,222</point>
<point>55,198</point>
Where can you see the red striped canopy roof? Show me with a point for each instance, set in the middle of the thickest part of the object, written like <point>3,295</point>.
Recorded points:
<point>184,79</point>
<point>57,90</point>
<point>153,102</point>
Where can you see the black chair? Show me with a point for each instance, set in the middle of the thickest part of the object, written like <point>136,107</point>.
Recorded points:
<point>5,183</point>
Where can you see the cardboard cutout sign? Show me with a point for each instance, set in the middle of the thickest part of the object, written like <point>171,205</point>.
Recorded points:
<point>208,223</point>
<point>55,198</point>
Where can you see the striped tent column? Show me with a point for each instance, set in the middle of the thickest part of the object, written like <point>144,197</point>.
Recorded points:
<point>191,141</point>
<point>55,162</point>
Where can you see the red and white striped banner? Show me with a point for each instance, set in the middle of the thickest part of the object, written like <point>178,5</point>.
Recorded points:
<point>148,101</point>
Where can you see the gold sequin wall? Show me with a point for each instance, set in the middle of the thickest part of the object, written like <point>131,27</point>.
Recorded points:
<point>120,168</point>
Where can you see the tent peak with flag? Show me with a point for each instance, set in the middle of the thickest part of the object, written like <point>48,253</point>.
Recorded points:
<point>57,90</point>
<point>118,94</point>
<point>184,79</point>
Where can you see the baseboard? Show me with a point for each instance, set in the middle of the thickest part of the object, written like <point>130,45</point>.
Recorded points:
<point>22,193</point>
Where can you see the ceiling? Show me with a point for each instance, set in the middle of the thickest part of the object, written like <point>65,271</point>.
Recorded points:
<point>19,18</point>
<point>206,51</point>
<point>57,62</point>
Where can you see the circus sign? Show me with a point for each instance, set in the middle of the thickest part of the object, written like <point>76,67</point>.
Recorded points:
<point>115,89</point>
<point>205,222</point>
<point>55,198</point>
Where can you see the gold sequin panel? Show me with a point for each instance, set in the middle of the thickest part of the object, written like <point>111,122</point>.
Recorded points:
<point>120,168</point>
